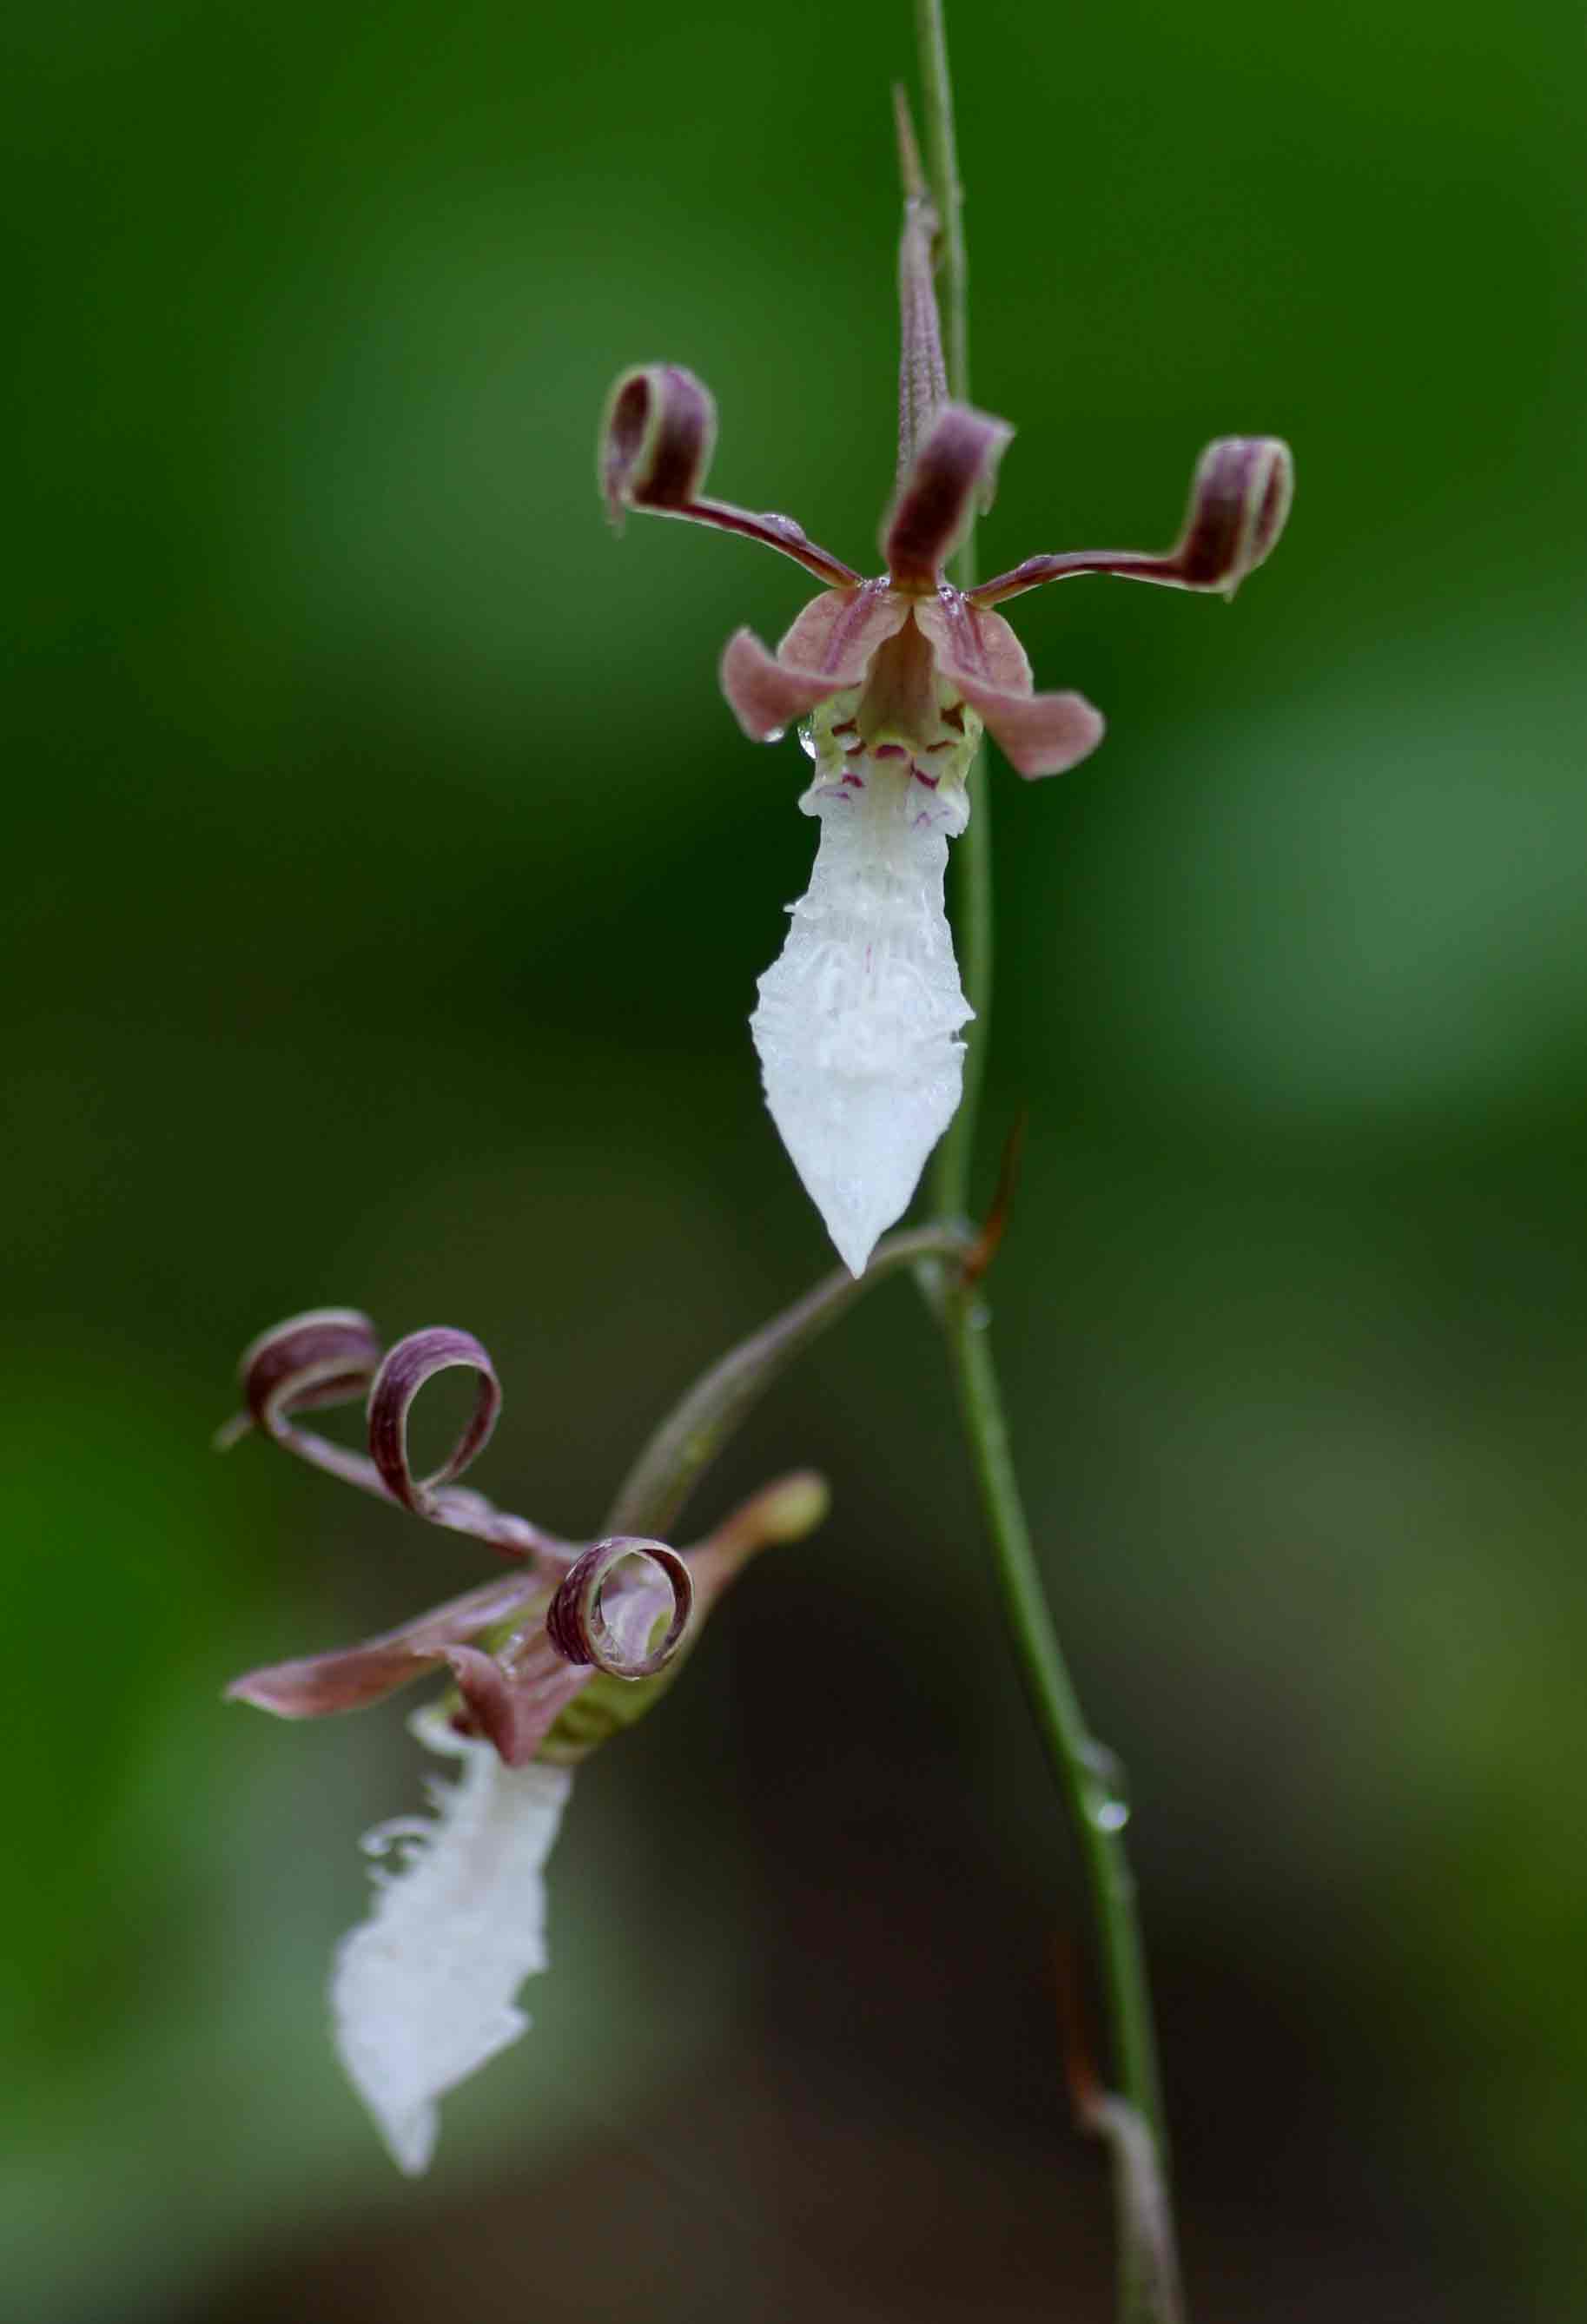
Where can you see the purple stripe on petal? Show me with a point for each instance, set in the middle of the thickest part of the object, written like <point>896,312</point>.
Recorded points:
<point>972,644</point>
<point>836,636</point>
<point>830,646</point>
<point>978,652</point>
<point>410,1364</point>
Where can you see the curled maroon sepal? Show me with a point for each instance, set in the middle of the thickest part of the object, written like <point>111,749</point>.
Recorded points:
<point>326,1356</point>
<point>411,1364</point>
<point>656,438</point>
<point>591,1621</point>
<point>347,1678</point>
<point>658,433</point>
<point>332,1354</point>
<point>948,481</point>
<point>1239,503</point>
<point>1239,498</point>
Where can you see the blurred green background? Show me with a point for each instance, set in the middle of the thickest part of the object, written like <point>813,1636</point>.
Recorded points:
<point>385,887</point>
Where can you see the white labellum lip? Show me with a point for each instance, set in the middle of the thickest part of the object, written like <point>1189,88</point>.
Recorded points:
<point>423,1991</point>
<point>857,1024</point>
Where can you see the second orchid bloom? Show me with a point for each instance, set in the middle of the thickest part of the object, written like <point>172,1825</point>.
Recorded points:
<point>893,680</point>
<point>568,1645</point>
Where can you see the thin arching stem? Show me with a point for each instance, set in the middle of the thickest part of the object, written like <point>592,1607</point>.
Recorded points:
<point>1079,1767</point>
<point>653,1493</point>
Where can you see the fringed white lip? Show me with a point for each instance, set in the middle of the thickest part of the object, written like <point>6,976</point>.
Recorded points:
<point>422,1992</point>
<point>857,1024</point>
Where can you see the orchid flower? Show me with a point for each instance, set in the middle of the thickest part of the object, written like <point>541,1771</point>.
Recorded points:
<point>895,678</point>
<point>547,1661</point>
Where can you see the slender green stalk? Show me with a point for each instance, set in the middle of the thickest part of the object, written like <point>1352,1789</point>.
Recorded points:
<point>1080,1768</point>
<point>1083,1768</point>
<point>688,1440</point>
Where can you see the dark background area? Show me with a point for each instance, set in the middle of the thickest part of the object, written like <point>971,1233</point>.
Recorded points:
<point>385,885</point>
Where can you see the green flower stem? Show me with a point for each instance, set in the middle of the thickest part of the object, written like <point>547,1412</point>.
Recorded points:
<point>1078,1766</point>
<point>666,1472</point>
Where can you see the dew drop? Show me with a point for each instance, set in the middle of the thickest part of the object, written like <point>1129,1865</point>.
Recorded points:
<point>1108,1794</point>
<point>808,737</point>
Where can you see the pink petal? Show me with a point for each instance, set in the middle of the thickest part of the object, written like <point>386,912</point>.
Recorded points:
<point>763,695</point>
<point>516,1710</point>
<point>1039,734</point>
<point>829,647</point>
<point>348,1678</point>
<point>978,652</point>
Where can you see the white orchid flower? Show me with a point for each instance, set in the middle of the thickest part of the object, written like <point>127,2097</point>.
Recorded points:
<point>548,1662</point>
<point>858,1023</point>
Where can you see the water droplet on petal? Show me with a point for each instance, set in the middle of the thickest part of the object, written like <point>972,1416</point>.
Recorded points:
<point>808,737</point>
